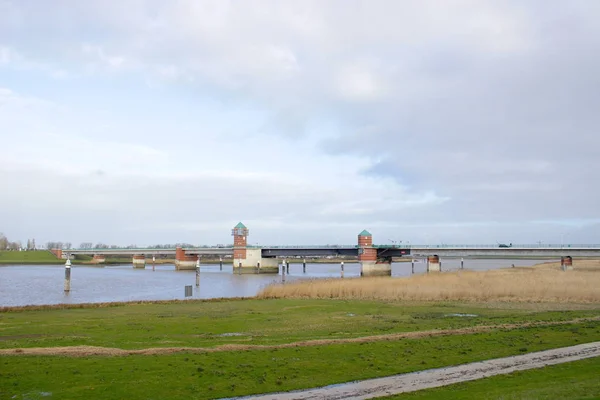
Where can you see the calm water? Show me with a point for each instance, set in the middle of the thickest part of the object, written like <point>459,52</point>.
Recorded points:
<point>43,284</point>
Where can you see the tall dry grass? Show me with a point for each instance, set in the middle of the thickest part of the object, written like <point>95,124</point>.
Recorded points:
<point>579,264</point>
<point>510,285</point>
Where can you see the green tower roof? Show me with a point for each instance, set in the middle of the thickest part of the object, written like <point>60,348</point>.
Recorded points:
<point>365,233</point>
<point>240,225</point>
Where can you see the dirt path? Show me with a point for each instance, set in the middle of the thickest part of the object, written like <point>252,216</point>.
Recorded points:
<point>86,351</point>
<point>432,378</point>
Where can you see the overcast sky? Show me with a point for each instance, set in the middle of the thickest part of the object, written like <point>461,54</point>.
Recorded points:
<point>455,121</point>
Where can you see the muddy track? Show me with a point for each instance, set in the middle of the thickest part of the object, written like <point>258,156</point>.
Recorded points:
<point>432,378</point>
<point>85,351</point>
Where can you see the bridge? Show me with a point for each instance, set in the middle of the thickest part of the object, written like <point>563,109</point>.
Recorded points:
<point>375,259</point>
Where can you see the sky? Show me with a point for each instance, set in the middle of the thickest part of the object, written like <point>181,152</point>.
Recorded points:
<point>425,122</point>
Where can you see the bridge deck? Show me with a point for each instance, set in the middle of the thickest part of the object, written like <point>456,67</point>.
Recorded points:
<point>383,250</point>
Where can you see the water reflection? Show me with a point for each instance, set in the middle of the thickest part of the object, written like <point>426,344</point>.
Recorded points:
<point>40,284</point>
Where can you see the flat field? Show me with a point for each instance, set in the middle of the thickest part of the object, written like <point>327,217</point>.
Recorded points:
<point>213,349</point>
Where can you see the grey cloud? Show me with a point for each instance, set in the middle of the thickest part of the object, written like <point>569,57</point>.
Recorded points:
<point>491,106</point>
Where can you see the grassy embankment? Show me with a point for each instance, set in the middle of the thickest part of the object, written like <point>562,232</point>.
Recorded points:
<point>38,257</point>
<point>29,257</point>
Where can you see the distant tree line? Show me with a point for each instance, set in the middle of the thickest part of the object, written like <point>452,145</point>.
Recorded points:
<point>104,246</point>
<point>58,245</point>
<point>6,244</point>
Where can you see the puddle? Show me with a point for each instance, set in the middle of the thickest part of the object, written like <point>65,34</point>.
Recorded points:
<point>461,315</point>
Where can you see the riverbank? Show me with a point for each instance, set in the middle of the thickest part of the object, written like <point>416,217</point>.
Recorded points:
<point>225,348</point>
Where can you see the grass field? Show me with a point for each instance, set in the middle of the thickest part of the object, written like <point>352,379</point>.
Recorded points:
<point>29,257</point>
<point>215,349</point>
<point>574,380</point>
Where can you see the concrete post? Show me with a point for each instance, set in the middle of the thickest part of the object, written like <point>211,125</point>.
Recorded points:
<point>342,267</point>
<point>412,264</point>
<point>304,266</point>
<point>462,263</point>
<point>283,271</point>
<point>198,272</point>
<point>68,275</point>
<point>220,263</point>
<point>153,262</point>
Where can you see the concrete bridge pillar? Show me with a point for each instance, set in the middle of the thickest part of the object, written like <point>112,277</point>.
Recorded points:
<point>245,260</point>
<point>433,264</point>
<point>566,263</point>
<point>370,264</point>
<point>99,259</point>
<point>139,261</point>
<point>185,261</point>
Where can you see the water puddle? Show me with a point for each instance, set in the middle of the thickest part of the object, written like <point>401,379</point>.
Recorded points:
<point>461,315</point>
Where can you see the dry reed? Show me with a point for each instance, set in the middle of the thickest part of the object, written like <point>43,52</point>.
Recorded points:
<point>546,284</point>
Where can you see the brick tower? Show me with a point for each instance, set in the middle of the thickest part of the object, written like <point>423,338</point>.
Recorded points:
<point>240,241</point>
<point>366,252</point>
<point>370,264</point>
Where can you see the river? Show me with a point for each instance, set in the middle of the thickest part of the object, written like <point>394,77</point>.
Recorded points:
<point>43,284</point>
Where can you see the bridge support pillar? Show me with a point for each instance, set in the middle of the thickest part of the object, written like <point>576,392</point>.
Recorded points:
<point>139,261</point>
<point>253,258</point>
<point>566,263</point>
<point>99,259</point>
<point>375,268</point>
<point>184,261</point>
<point>370,265</point>
<point>433,264</point>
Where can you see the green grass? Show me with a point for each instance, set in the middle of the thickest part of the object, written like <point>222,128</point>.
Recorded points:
<point>202,324</point>
<point>259,370</point>
<point>38,257</point>
<point>29,257</point>
<point>222,374</point>
<point>574,380</point>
